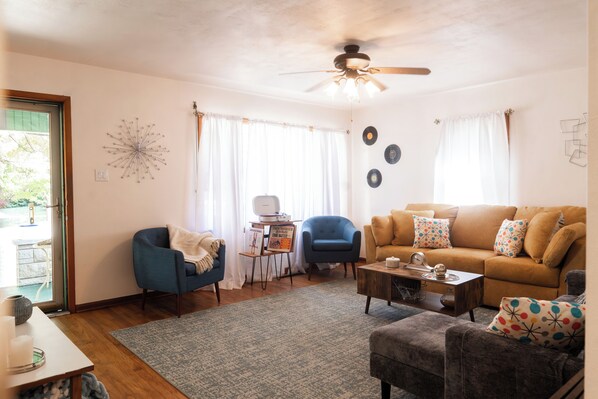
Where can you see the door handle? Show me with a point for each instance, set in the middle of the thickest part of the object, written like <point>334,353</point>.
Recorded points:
<point>58,209</point>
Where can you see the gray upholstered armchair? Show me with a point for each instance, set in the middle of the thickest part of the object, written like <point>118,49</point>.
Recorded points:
<point>328,239</point>
<point>159,268</point>
<point>433,356</point>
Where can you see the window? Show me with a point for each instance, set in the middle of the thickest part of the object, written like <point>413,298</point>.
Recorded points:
<point>306,168</point>
<point>472,161</point>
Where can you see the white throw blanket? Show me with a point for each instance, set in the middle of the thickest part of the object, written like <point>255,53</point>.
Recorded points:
<point>197,248</point>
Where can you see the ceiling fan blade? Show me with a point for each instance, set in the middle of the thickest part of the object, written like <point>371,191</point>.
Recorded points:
<point>295,73</point>
<point>377,83</point>
<point>400,71</point>
<point>322,84</point>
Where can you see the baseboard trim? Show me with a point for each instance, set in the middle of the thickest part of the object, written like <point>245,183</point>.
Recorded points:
<point>106,303</point>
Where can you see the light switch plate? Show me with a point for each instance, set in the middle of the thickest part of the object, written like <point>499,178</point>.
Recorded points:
<point>102,175</point>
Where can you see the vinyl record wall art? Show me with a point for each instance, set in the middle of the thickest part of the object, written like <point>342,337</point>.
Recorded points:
<point>370,135</point>
<point>374,178</point>
<point>392,154</point>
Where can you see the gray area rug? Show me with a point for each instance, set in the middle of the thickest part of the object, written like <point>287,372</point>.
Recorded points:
<point>310,342</point>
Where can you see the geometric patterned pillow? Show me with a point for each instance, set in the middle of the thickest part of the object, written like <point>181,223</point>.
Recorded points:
<point>509,240</point>
<point>551,324</point>
<point>431,233</point>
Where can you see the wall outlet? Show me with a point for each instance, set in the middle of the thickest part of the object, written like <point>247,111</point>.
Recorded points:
<point>102,175</point>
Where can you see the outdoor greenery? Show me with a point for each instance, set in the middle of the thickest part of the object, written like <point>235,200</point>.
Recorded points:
<point>24,168</point>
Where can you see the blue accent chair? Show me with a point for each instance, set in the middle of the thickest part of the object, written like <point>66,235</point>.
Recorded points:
<point>159,268</point>
<point>330,239</point>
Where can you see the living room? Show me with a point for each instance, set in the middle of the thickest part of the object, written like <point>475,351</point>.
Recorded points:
<point>107,214</point>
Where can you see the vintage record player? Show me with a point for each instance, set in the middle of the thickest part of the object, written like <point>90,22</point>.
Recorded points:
<point>267,207</point>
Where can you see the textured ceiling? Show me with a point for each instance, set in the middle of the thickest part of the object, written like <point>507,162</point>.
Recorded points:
<point>244,45</point>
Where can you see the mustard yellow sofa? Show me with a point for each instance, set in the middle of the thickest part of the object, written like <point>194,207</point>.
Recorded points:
<point>473,231</point>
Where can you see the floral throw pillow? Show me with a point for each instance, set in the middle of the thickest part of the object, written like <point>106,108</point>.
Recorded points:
<point>551,324</point>
<point>509,240</point>
<point>431,233</point>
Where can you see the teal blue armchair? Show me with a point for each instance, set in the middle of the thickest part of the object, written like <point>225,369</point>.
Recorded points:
<point>330,239</point>
<point>159,268</point>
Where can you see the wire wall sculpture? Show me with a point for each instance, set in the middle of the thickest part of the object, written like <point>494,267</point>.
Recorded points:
<point>137,150</point>
<point>575,132</point>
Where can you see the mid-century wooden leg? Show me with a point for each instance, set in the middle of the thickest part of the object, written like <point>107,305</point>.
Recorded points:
<point>354,275</point>
<point>309,266</point>
<point>367,304</point>
<point>345,263</point>
<point>143,295</point>
<point>471,315</point>
<point>385,390</point>
<point>217,291</point>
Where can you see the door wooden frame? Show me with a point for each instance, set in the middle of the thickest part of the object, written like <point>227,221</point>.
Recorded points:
<point>68,182</point>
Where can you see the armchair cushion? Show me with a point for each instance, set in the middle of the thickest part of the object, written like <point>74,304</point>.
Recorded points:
<point>336,244</point>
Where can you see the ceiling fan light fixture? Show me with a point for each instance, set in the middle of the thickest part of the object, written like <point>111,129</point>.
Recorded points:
<point>332,88</point>
<point>350,90</point>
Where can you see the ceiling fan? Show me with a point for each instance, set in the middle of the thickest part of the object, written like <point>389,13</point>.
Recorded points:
<point>353,68</point>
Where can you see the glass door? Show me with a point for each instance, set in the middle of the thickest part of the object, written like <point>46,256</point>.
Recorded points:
<point>32,202</point>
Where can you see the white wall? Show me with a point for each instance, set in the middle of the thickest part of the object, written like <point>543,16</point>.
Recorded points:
<point>107,214</point>
<point>591,384</point>
<point>540,173</point>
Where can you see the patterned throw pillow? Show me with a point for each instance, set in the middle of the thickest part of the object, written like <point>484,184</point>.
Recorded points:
<point>551,324</point>
<point>509,240</point>
<point>431,233</point>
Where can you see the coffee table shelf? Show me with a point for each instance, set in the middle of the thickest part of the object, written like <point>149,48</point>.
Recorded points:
<point>376,281</point>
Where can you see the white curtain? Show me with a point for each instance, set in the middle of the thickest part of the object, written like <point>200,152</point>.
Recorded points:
<point>472,161</point>
<point>306,168</point>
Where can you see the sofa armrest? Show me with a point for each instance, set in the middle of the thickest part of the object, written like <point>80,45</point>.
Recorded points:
<point>370,244</point>
<point>576,282</point>
<point>574,260</point>
<point>157,268</point>
<point>479,364</point>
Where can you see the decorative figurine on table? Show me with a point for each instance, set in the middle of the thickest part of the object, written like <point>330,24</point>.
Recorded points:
<point>440,271</point>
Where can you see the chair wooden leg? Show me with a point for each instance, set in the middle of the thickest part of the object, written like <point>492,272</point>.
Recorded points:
<point>354,275</point>
<point>143,295</point>
<point>217,291</point>
<point>385,393</point>
<point>309,267</point>
<point>179,301</point>
<point>345,264</point>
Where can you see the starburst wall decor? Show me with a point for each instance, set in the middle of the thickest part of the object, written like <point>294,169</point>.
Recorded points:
<point>137,150</point>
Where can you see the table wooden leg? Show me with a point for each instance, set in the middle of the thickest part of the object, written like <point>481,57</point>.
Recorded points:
<point>471,316</point>
<point>253,270</point>
<point>290,272</point>
<point>76,386</point>
<point>367,304</point>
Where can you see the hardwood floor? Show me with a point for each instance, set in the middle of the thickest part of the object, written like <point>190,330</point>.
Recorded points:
<point>123,374</point>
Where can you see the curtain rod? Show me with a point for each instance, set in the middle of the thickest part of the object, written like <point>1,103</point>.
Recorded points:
<point>507,112</point>
<point>247,120</point>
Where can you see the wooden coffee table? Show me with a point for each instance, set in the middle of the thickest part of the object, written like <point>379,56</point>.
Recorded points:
<point>378,281</point>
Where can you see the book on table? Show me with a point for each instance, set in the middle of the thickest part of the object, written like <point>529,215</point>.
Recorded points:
<point>281,238</point>
<point>255,241</point>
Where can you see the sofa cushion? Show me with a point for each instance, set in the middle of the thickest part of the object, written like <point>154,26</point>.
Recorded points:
<point>441,211</point>
<point>539,232</point>
<point>571,214</point>
<point>509,240</point>
<point>431,233</point>
<point>476,226</point>
<point>331,244</point>
<point>402,222</point>
<point>382,229</point>
<point>464,259</point>
<point>399,251</point>
<point>523,270</point>
<point>551,324</point>
<point>560,243</point>
<point>417,341</point>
